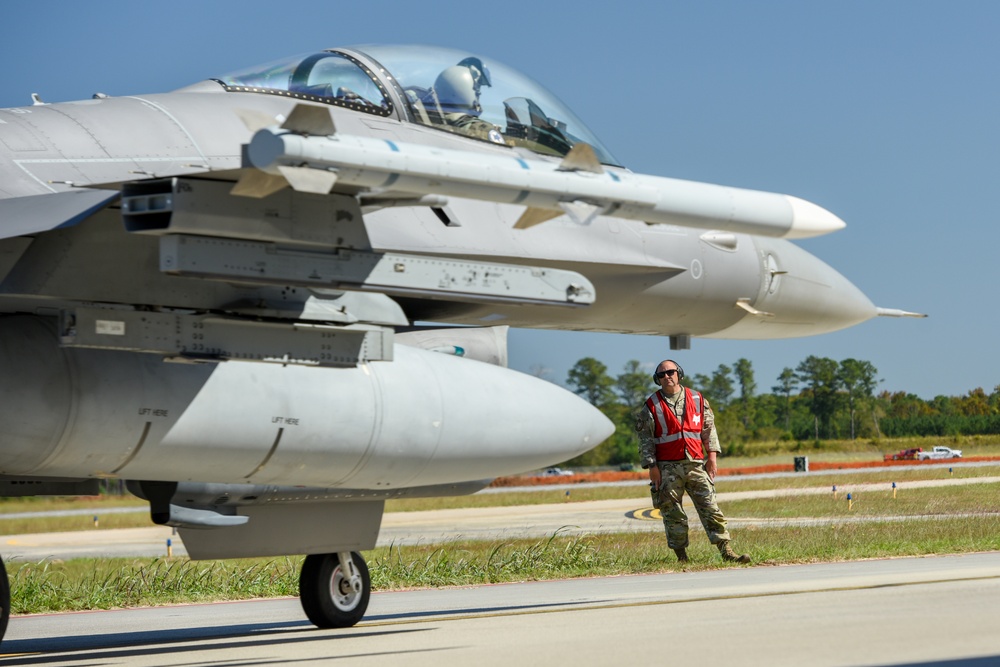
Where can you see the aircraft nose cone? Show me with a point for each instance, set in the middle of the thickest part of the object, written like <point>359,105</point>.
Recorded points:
<point>804,292</point>
<point>800,296</point>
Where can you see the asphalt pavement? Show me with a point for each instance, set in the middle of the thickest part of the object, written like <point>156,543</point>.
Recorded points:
<point>931,611</point>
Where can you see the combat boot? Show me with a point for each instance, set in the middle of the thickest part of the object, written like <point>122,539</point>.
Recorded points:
<point>682,555</point>
<point>727,553</point>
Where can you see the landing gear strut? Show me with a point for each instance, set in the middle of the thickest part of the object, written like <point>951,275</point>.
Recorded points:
<point>4,599</point>
<point>334,589</point>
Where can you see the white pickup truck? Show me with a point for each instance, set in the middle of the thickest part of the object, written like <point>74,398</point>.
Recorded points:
<point>940,453</point>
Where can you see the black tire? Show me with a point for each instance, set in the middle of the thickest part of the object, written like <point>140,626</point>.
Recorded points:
<point>4,599</point>
<point>326,596</point>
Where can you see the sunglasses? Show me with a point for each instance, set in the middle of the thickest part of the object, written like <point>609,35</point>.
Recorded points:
<point>660,374</point>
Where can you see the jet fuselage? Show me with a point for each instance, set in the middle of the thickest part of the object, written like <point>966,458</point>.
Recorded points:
<point>659,280</point>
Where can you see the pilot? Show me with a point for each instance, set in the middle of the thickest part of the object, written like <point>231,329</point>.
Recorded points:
<point>456,92</point>
<point>678,444</point>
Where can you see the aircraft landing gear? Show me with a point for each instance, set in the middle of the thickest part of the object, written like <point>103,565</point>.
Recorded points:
<point>4,599</point>
<point>334,589</point>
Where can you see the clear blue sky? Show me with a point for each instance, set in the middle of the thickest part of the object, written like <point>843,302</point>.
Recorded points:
<point>884,112</point>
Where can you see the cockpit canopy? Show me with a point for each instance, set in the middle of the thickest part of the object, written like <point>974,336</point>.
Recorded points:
<point>443,88</point>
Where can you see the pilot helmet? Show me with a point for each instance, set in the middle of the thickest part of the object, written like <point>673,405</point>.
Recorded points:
<point>480,74</point>
<point>457,90</point>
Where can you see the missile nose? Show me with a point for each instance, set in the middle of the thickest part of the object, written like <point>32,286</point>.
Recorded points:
<point>810,220</point>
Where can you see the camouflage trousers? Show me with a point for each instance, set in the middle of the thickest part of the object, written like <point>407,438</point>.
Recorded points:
<point>676,477</point>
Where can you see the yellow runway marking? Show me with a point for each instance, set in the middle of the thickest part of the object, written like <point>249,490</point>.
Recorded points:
<point>651,514</point>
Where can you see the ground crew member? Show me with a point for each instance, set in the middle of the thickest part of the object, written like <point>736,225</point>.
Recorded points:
<point>678,445</point>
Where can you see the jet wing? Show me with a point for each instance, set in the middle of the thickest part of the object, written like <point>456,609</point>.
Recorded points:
<point>22,216</point>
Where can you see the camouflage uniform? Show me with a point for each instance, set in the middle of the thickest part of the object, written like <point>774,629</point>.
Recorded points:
<point>462,123</point>
<point>680,476</point>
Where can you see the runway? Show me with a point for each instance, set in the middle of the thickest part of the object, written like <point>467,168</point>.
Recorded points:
<point>914,611</point>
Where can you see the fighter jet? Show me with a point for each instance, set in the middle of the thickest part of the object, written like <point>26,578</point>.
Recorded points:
<point>221,294</point>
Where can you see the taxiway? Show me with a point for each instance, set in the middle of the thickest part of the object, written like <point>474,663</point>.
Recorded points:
<point>912,611</point>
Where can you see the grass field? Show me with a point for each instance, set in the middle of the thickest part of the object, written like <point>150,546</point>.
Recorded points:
<point>925,521</point>
<point>111,583</point>
<point>140,518</point>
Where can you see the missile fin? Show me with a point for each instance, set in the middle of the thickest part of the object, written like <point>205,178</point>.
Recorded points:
<point>581,212</point>
<point>257,184</point>
<point>310,120</point>
<point>307,179</point>
<point>581,158</point>
<point>256,120</point>
<point>535,216</point>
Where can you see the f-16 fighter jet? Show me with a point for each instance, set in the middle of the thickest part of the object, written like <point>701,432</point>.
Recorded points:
<point>213,293</point>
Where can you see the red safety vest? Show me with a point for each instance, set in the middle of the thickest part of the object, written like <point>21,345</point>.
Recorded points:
<point>670,435</point>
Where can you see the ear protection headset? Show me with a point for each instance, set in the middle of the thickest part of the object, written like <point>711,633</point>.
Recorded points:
<point>680,371</point>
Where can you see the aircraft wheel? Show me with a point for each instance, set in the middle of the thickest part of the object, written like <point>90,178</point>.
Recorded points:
<point>4,599</point>
<point>334,589</point>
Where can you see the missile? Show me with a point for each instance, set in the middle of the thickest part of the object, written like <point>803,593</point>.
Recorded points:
<point>423,419</point>
<point>579,186</point>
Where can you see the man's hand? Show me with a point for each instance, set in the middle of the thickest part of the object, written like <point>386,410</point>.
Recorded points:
<point>654,475</point>
<point>711,467</point>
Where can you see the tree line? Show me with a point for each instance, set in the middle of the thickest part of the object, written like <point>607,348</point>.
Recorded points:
<point>819,399</point>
